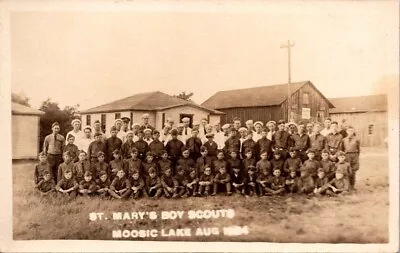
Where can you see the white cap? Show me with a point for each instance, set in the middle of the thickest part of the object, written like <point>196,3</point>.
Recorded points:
<point>186,119</point>
<point>75,121</point>
<point>250,121</point>
<point>226,126</point>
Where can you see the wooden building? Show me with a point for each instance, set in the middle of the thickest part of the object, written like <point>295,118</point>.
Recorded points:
<point>267,103</point>
<point>158,105</point>
<point>367,114</point>
<point>25,131</point>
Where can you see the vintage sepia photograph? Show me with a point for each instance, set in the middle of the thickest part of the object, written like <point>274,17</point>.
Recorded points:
<point>202,121</point>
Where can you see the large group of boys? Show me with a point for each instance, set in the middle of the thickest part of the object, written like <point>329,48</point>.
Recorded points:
<point>275,159</point>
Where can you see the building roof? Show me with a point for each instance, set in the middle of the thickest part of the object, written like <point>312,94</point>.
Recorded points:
<point>373,103</point>
<point>257,96</point>
<point>149,101</point>
<point>18,109</point>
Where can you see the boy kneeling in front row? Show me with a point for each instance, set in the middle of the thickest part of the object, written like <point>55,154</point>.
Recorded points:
<point>191,183</point>
<point>137,185</point>
<point>339,185</point>
<point>169,184</point>
<point>205,182</point>
<point>120,186</point>
<point>153,184</point>
<point>103,184</point>
<point>222,180</point>
<point>87,186</point>
<point>46,186</point>
<point>67,186</point>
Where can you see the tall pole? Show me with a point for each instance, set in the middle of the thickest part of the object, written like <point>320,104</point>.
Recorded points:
<point>288,46</point>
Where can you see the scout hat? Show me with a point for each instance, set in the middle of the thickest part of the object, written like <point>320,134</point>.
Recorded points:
<point>258,123</point>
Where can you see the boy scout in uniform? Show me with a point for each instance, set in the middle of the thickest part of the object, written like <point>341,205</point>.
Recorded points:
<point>156,146</point>
<point>301,142</point>
<point>169,184</point>
<point>137,185</point>
<point>191,183</point>
<point>277,161</point>
<point>321,183</point>
<point>264,163</point>
<point>311,165</point>
<point>220,162</point>
<point>251,180</point>
<point>103,184</point>
<point>101,165</point>
<point>333,141</point>
<point>211,145</point>
<point>317,141</point>
<point>339,185</point>
<point>351,148</point>
<point>98,145</point>
<point>203,161</point>
<point>133,164</point>
<point>233,161</point>
<point>264,144</point>
<point>185,162</point>
<point>344,166</point>
<point>305,184</point>
<point>292,162</point>
<point>222,178</point>
<point>120,187</point>
<point>153,184</point>
<point>264,181</point>
<point>67,185</point>
<point>52,147</point>
<point>149,163</point>
<point>174,148</point>
<point>71,147</point>
<point>193,144</point>
<point>66,165</point>
<point>112,143</point>
<point>291,181</point>
<point>205,182</point>
<point>46,185</point>
<point>41,168</point>
<point>281,139</point>
<point>232,143</point>
<point>164,162</point>
<point>87,186</point>
<point>141,146</point>
<point>327,165</point>
<point>81,166</point>
<point>128,145</point>
<point>97,130</point>
<point>116,164</point>
<point>249,143</point>
<point>180,178</point>
<point>237,179</point>
<point>277,183</point>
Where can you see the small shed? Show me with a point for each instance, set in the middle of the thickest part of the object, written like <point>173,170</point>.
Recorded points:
<point>367,114</point>
<point>25,131</point>
<point>266,103</point>
<point>158,105</point>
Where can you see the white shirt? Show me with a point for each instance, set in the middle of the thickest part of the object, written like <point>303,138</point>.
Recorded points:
<point>241,143</point>
<point>78,137</point>
<point>269,135</point>
<point>325,132</point>
<point>256,136</point>
<point>122,135</point>
<point>148,140</point>
<point>219,138</point>
<point>84,144</point>
<point>182,138</point>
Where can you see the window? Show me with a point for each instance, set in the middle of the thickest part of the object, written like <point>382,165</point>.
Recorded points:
<point>117,115</point>
<point>306,101</point>
<point>371,129</point>
<point>103,122</point>
<point>88,120</point>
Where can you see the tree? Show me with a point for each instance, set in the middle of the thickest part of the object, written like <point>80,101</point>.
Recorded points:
<point>20,98</point>
<point>185,96</point>
<point>53,113</point>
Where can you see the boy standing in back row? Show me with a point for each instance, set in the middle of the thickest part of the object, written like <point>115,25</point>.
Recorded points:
<point>351,147</point>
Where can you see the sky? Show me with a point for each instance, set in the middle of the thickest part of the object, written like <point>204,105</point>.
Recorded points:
<point>91,57</point>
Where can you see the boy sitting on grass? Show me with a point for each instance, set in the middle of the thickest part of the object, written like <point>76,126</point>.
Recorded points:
<point>120,186</point>
<point>251,180</point>
<point>137,185</point>
<point>222,180</point>
<point>339,185</point>
<point>321,182</point>
<point>191,183</point>
<point>277,183</point>
<point>264,181</point>
<point>169,184</point>
<point>46,185</point>
<point>291,181</point>
<point>41,168</point>
<point>153,184</point>
<point>180,178</point>
<point>67,186</point>
<point>205,182</point>
<point>133,163</point>
<point>103,184</point>
<point>305,184</point>
<point>237,179</point>
<point>87,186</point>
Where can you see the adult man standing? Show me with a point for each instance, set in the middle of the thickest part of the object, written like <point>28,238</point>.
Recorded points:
<point>76,131</point>
<point>145,122</point>
<point>343,128</point>
<point>327,125</point>
<point>301,141</point>
<point>281,139</point>
<point>250,125</point>
<point>52,147</point>
<point>334,141</point>
<point>309,128</point>
<point>187,131</point>
<point>124,129</point>
<point>219,137</point>
<point>202,128</point>
<point>317,141</point>
<point>236,125</point>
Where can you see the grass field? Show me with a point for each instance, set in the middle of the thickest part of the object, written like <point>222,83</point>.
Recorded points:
<point>358,218</point>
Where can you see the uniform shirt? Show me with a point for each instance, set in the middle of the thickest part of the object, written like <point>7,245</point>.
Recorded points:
<point>53,144</point>
<point>131,165</point>
<point>225,178</point>
<point>156,147</point>
<point>249,144</point>
<point>328,167</point>
<point>64,167</point>
<point>264,178</point>
<point>80,168</point>
<point>153,182</point>
<point>95,147</point>
<point>201,163</point>
<point>281,139</point>
<point>46,186</point>
<point>163,164</point>
<point>103,184</point>
<point>277,163</point>
<point>344,167</point>
<point>206,178</point>
<point>264,164</point>
<point>126,149</point>
<point>292,163</point>
<point>219,138</point>
<point>138,183</point>
<point>318,142</point>
<point>91,185</point>
<point>194,144</point>
<point>341,184</point>
<point>333,141</point>
<point>40,170</point>
<point>168,181</point>
<point>142,148</point>
<point>301,142</point>
<point>232,144</point>
<point>101,166</point>
<point>305,183</point>
<point>146,166</point>
<point>73,150</point>
<point>181,180</point>
<point>120,183</point>
<point>84,144</point>
<point>67,184</point>
<point>115,165</point>
<point>219,163</point>
<point>186,164</point>
<point>319,182</point>
<point>164,138</point>
<point>233,163</point>
<point>247,162</point>
<point>211,148</point>
<point>264,144</point>
<point>277,183</point>
<point>112,143</point>
<point>251,178</point>
<point>78,136</point>
<point>325,132</point>
<point>311,166</point>
<point>174,148</point>
<point>350,144</point>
